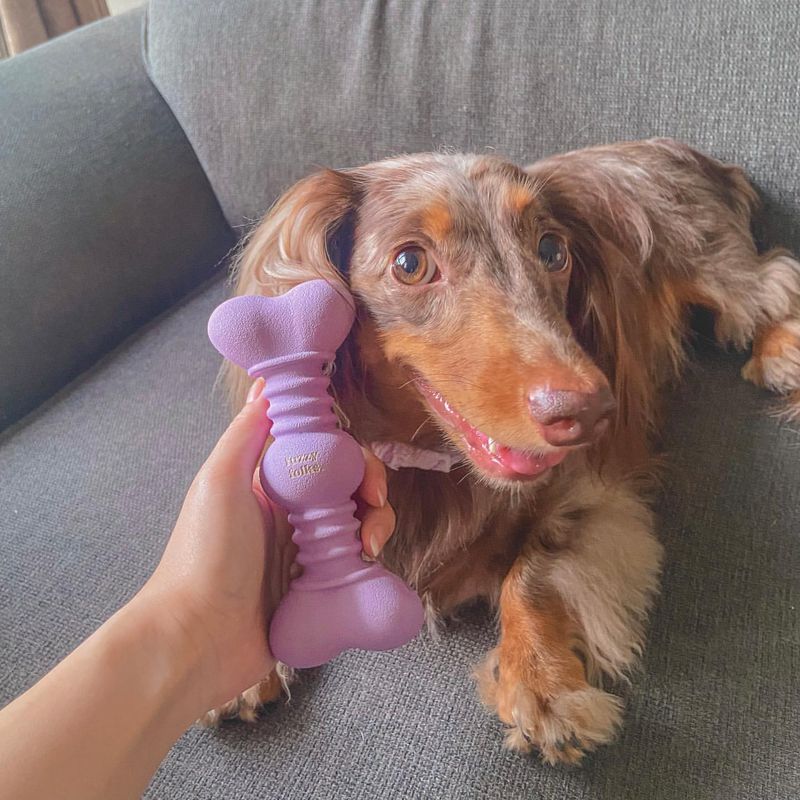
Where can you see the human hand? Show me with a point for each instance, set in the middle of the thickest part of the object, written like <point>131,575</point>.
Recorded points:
<point>98,724</point>
<point>228,562</point>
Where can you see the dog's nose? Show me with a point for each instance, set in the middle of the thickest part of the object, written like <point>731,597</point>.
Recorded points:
<point>571,418</point>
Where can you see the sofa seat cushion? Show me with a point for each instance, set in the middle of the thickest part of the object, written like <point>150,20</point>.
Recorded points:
<point>266,92</point>
<point>91,486</point>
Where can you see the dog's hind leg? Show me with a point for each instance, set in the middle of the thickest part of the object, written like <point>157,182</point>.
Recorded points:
<point>775,360</point>
<point>756,300</point>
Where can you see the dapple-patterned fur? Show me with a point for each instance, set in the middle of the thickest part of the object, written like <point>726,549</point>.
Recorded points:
<point>569,560</point>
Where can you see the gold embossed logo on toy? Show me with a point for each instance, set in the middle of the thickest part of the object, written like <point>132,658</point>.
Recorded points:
<point>303,464</point>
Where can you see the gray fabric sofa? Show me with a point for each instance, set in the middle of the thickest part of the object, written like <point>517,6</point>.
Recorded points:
<point>132,154</point>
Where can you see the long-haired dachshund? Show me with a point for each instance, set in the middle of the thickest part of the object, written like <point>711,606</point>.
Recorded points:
<point>516,330</point>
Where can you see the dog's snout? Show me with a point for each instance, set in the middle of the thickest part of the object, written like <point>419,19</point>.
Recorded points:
<point>570,417</point>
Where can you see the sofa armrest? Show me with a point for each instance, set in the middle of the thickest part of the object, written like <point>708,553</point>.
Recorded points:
<point>106,217</point>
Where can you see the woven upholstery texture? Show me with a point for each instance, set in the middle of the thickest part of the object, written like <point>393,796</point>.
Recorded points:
<point>91,482</point>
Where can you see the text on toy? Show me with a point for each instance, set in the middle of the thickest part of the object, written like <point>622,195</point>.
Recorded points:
<point>303,464</point>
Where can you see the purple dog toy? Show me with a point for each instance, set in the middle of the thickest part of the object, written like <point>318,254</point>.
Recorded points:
<point>312,470</point>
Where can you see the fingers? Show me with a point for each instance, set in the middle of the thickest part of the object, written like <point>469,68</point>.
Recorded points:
<point>242,444</point>
<point>376,515</point>
<point>239,449</point>
<point>373,489</point>
<point>376,527</point>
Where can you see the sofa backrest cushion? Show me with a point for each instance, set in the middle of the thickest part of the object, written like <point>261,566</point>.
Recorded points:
<point>266,91</point>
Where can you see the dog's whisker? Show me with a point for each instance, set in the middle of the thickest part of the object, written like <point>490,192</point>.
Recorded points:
<point>445,381</point>
<point>467,474</point>
<point>461,381</point>
<point>419,428</point>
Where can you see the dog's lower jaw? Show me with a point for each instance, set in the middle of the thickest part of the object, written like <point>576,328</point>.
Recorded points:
<point>515,486</point>
<point>509,465</point>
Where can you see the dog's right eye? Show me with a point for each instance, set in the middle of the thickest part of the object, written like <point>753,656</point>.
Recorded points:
<point>413,267</point>
<point>553,252</point>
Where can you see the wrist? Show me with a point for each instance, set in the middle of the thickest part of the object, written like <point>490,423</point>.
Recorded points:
<point>168,656</point>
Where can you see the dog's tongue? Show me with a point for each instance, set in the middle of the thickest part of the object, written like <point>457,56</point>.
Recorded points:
<point>521,462</point>
<point>524,463</point>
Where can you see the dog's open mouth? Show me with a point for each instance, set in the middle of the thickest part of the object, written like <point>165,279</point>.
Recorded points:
<point>495,459</point>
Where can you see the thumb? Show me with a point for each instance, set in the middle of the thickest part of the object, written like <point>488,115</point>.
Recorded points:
<point>239,449</point>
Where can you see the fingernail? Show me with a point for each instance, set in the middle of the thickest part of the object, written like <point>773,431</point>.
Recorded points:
<point>255,389</point>
<point>381,497</point>
<point>373,545</point>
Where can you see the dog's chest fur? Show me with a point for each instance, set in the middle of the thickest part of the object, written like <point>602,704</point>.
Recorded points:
<point>456,538</point>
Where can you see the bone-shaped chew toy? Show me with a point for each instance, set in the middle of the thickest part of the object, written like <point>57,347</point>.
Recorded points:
<point>312,470</point>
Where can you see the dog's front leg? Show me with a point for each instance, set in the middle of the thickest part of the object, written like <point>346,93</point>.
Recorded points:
<point>247,705</point>
<point>569,615</point>
<point>536,683</point>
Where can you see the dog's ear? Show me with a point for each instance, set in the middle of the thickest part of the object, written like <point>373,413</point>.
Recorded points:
<point>626,323</point>
<point>307,234</point>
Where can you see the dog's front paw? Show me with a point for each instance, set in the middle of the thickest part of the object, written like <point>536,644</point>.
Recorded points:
<point>562,721</point>
<point>563,728</point>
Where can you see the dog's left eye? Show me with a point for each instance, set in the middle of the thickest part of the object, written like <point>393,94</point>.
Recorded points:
<point>553,252</point>
<point>414,267</point>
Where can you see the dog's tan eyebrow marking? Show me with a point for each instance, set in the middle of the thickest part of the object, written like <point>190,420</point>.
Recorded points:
<point>518,197</point>
<point>437,221</point>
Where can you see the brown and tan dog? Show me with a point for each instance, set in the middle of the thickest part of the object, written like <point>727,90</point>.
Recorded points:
<point>525,321</point>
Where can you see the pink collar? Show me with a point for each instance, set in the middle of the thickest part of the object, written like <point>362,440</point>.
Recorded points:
<point>397,455</point>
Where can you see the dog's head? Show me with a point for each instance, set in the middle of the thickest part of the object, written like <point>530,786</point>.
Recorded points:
<point>486,311</point>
